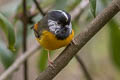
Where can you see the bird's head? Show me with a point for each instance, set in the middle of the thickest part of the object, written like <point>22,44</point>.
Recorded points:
<point>59,23</point>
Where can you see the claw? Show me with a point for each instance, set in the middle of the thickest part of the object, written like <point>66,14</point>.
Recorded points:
<point>50,62</point>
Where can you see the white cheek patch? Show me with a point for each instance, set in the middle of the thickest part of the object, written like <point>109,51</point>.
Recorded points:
<point>53,26</point>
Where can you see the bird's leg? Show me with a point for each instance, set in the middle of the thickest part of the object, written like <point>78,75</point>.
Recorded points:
<point>50,62</point>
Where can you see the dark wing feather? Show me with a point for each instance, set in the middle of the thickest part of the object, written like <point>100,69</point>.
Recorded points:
<point>42,25</point>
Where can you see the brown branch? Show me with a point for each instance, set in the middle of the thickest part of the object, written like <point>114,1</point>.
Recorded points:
<point>39,8</point>
<point>63,59</point>
<point>83,67</point>
<point>25,23</point>
<point>18,62</point>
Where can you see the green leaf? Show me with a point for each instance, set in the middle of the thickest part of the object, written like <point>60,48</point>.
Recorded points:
<point>115,42</point>
<point>93,7</point>
<point>9,31</point>
<point>60,4</point>
<point>6,56</point>
<point>42,59</point>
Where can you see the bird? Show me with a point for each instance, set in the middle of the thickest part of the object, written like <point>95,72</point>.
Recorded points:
<point>54,31</point>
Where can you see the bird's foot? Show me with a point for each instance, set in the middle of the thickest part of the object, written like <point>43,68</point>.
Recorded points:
<point>50,63</point>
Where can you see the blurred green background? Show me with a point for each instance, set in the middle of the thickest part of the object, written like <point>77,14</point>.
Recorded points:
<point>101,54</point>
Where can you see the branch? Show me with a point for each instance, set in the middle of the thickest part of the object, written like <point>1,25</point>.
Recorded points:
<point>39,8</point>
<point>25,23</point>
<point>79,9</point>
<point>83,67</point>
<point>18,62</point>
<point>81,39</point>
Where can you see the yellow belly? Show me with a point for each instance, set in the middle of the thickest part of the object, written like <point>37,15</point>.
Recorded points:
<point>50,42</point>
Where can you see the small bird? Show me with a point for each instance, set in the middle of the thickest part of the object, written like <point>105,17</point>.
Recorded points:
<point>54,30</point>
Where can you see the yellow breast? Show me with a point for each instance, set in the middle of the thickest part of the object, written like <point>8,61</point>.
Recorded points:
<point>50,42</point>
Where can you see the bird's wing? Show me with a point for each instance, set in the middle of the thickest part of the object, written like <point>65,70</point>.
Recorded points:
<point>40,26</point>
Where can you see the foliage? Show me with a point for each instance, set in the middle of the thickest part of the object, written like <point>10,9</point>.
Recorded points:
<point>93,7</point>
<point>42,59</point>
<point>115,42</point>
<point>9,31</point>
<point>7,54</point>
<point>7,57</point>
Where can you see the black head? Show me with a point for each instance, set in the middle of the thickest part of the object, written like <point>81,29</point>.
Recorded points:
<point>62,17</point>
<point>59,23</point>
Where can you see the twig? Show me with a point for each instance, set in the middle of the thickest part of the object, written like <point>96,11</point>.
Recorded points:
<point>81,39</point>
<point>83,67</point>
<point>18,62</point>
<point>39,8</point>
<point>25,23</point>
<point>79,9</point>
